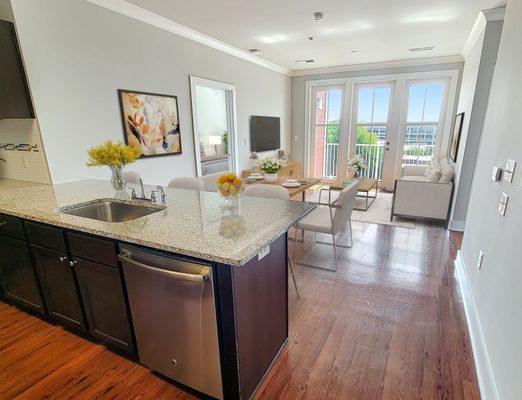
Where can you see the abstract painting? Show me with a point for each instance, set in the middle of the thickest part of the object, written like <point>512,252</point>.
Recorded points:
<point>150,122</point>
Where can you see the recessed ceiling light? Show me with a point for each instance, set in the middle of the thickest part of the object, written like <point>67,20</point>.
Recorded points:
<point>318,16</point>
<point>254,51</point>
<point>304,61</point>
<point>417,49</point>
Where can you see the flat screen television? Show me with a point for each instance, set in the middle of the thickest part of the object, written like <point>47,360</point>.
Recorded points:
<point>265,133</point>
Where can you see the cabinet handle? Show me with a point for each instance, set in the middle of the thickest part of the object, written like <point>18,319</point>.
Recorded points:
<point>63,259</point>
<point>73,262</point>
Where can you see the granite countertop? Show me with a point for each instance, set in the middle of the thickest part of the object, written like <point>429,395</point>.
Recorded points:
<point>192,224</point>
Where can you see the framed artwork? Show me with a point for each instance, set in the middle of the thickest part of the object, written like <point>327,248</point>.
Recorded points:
<point>455,139</point>
<point>150,122</point>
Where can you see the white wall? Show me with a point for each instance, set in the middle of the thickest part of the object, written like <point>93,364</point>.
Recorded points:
<point>465,104</point>
<point>474,95</point>
<point>496,287</point>
<point>77,56</point>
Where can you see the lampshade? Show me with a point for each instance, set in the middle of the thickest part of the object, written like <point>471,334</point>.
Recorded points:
<point>214,140</point>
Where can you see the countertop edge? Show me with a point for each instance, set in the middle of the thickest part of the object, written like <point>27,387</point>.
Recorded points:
<point>236,262</point>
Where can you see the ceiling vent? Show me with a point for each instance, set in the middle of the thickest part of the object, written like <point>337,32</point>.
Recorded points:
<point>318,16</point>
<point>417,49</point>
<point>308,61</point>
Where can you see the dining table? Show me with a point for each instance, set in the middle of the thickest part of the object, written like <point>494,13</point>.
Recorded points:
<point>305,184</point>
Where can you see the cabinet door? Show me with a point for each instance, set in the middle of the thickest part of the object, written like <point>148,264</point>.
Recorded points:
<point>18,278</point>
<point>59,287</point>
<point>14,101</point>
<point>104,302</point>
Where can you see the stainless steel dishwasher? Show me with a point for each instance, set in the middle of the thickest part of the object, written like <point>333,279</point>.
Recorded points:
<point>174,316</point>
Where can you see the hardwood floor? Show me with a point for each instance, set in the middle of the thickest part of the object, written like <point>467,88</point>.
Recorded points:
<point>389,324</point>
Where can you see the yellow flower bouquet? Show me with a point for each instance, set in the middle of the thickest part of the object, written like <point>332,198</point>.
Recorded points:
<point>115,156</point>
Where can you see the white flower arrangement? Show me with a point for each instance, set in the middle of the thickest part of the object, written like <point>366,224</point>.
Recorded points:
<point>356,163</point>
<point>270,165</point>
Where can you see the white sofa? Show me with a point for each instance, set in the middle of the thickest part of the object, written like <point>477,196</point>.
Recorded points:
<point>415,197</point>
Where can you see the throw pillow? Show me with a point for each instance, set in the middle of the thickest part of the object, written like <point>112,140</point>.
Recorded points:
<point>446,171</point>
<point>433,172</point>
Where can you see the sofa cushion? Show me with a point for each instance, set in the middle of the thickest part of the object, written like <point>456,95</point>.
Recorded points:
<point>414,178</point>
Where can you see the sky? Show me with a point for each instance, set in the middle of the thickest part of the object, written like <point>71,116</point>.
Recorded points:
<point>380,97</point>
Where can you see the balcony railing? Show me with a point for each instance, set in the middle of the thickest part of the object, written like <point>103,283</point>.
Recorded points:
<point>373,154</point>
<point>331,157</point>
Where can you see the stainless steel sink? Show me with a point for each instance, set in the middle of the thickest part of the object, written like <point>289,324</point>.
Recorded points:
<point>110,210</point>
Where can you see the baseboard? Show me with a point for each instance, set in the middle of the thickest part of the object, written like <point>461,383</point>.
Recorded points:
<point>456,225</point>
<point>486,379</point>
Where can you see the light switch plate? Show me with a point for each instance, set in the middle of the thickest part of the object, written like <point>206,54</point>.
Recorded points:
<point>503,204</point>
<point>509,171</point>
<point>510,166</point>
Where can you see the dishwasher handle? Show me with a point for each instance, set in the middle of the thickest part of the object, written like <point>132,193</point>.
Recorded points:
<point>170,274</point>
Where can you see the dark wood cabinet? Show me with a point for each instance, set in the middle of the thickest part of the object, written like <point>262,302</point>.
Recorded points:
<point>17,275</point>
<point>103,298</point>
<point>59,286</point>
<point>14,94</point>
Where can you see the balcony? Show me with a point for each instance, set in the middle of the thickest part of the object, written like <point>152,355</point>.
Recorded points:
<point>373,154</point>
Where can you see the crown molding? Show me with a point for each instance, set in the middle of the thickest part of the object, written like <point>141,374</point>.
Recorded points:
<point>379,65</point>
<point>474,35</point>
<point>485,16</point>
<point>140,14</point>
<point>495,14</point>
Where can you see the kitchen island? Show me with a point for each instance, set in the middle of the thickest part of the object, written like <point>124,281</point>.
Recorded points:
<point>194,293</point>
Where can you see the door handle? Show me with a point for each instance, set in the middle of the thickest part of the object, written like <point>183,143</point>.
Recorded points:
<point>170,274</point>
<point>73,263</point>
<point>63,259</point>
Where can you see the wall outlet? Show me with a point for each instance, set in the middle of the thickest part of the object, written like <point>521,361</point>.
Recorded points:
<point>480,258</point>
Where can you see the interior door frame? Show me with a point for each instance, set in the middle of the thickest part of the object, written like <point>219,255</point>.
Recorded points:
<point>231,119</point>
<point>397,119</point>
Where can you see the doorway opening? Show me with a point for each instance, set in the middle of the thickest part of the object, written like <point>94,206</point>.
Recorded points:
<point>214,124</point>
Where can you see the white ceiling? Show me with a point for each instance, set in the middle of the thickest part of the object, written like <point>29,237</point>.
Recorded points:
<point>380,30</point>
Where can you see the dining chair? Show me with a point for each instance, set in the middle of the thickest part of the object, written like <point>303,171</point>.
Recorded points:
<point>331,218</point>
<point>272,192</point>
<point>267,191</point>
<point>131,177</point>
<point>209,181</point>
<point>187,183</point>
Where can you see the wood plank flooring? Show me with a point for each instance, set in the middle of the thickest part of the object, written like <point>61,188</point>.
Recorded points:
<point>389,324</point>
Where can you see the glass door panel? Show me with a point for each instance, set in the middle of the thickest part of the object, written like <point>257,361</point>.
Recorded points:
<point>423,119</point>
<point>371,128</point>
<point>327,127</point>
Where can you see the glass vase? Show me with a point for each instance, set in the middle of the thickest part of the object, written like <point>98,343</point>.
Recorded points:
<point>117,179</point>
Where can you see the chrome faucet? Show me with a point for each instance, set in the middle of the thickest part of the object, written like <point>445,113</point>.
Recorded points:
<point>153,194</point>
<point>163,192</point>
<point>143,196</point>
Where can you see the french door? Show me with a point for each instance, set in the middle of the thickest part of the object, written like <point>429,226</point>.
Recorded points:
<point>371,133</point>
<point>390,121</point>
